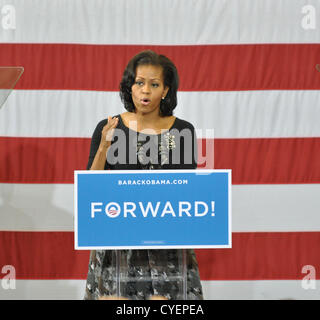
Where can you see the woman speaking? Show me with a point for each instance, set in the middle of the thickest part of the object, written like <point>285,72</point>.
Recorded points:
<point>146,136</point>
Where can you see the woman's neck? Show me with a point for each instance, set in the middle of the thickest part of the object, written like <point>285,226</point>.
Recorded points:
<point>147,120</point>
<point>143,122</point>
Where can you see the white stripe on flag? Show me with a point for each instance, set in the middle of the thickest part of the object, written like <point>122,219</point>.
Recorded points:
<point>255,208</point>
<point>260,290</point>
<point>129,22</point>
<point>213,290</point>
<point>245,114</point>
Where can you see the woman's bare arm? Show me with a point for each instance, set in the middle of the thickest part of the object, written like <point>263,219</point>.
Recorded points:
<point>100,158</point>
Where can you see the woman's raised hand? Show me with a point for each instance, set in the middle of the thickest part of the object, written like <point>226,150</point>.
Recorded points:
<point>107,132</point>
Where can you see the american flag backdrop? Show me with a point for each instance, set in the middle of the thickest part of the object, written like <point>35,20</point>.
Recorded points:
<point>247,70</point>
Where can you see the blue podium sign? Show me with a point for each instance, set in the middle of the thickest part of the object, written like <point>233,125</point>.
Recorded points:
<point>152,209</point>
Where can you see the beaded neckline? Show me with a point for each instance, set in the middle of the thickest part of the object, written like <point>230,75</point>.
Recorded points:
<point>147,134</point>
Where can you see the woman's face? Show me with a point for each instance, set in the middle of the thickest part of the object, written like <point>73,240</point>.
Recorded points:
<point>148,89</point>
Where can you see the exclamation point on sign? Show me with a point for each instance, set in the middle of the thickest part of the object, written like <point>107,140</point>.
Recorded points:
<point>212,208</point>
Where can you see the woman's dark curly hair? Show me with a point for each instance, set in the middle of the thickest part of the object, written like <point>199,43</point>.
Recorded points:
<point>170,75</point>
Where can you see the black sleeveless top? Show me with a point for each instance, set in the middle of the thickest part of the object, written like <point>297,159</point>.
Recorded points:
<point>175,148</point>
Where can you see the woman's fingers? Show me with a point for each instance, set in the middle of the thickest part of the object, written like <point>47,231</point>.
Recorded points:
<point>112,123</point>
<point>108,129</point>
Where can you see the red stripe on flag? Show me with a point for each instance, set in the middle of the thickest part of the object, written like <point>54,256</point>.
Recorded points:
<point>253,256</point>
<point>253,161</point>
<point>9,77</point>
<point>269,160</point>
<point>262,256</point>
<point>42,160</point>
<point>200,67</point>
<point>43,255</point>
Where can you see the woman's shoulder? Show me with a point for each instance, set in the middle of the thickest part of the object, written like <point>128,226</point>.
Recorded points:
<point>182,124</point>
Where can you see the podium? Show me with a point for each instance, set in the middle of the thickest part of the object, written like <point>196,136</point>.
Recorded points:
<point>127,210</point>
<point>9,76</point>
<point>139,277</point>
